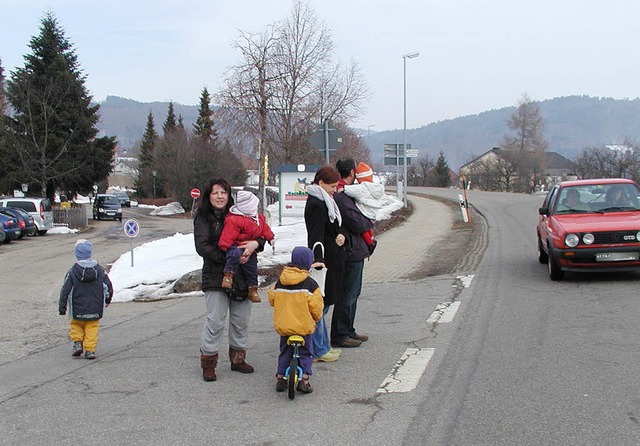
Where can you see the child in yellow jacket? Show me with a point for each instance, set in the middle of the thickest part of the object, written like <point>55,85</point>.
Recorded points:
<point>297,306</point>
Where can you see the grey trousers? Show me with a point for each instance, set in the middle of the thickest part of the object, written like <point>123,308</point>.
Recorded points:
<point>217,304</point>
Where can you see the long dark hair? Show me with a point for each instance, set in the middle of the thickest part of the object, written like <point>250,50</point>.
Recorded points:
<point>204,203</point>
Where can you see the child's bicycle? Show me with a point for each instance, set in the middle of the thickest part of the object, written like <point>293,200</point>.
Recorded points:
<point>293,374</point>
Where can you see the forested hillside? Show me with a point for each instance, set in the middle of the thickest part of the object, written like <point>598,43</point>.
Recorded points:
<point>571,124</point>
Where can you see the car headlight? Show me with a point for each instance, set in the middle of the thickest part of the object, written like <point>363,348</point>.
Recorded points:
<point>571,240</point>
<point>588,238</point>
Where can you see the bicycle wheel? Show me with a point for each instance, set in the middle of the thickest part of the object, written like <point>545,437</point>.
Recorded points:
<point>292,377</point>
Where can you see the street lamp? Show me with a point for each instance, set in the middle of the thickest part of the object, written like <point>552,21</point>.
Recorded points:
<point>404,146</point>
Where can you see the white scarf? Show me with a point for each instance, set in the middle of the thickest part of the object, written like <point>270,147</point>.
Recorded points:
<point>332,207</point>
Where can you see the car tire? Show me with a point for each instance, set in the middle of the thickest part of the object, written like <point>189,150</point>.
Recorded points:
<point>43,232</point>
<point>543,257</point>
<point>555,273</point>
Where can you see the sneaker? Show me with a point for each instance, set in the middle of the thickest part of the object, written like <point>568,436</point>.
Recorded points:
<point>304,386</point>
<point>347,343</point>
<point>335,351</point>
<point>281,384</point>
<point>361,338</point>
<point>90,355</point>
<point>77,348</point>
<point>327,357</point>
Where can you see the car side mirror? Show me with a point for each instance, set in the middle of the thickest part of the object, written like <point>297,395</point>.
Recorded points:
<point>543,211</point>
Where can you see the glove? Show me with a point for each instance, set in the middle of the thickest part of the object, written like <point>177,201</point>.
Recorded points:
<point>62,313</point>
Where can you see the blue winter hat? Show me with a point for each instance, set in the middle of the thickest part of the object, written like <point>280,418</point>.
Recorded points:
<point>302,257</point>
<point>83,249</point>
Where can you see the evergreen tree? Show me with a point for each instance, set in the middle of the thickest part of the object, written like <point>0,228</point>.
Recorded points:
<point>204,125</point>
<point>441,177</point>
<point>4,155</point>
<point>170,124</point>
<point>144,181</point>
<point>53,125</point>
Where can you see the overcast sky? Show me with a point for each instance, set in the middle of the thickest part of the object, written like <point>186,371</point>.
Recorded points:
<point>475,55</point>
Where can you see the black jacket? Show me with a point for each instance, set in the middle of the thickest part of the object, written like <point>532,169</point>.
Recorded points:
<point>353,224</point>
<point>86,289</point>
<point>320,229</point>
<point>206,234</point>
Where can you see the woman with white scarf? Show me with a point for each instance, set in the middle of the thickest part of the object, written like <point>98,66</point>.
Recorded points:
<point>322,219</point>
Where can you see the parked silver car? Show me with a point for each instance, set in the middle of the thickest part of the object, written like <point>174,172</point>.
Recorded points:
<point>39,208</point>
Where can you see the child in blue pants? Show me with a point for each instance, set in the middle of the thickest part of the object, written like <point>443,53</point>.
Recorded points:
<point>297,306</point>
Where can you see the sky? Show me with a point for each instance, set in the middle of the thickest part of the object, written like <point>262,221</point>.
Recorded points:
<point>474,55</point>
<point>157,264</point>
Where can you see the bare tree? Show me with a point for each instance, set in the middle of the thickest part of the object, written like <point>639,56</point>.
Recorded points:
<point>528,143</point>
<point>605,162</point>
<point>286,84</point>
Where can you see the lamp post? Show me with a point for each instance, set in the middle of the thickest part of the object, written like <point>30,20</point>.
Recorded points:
<point>404,132</point>
<point>154,173</point>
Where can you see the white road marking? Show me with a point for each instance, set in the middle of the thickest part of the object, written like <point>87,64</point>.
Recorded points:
<point>444,312</point>
<point>466,280</point>
<point>405,375</point>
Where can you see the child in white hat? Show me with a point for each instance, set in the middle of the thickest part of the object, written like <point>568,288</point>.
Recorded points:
<point>243,223</point>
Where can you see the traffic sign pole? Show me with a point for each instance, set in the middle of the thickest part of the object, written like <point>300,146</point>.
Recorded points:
<point>131,229</point>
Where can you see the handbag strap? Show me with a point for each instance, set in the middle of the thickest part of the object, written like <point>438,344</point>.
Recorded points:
<point>321,246</point>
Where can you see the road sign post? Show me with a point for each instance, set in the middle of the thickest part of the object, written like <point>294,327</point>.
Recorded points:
<point>131,229</point>
<point>195,193</point>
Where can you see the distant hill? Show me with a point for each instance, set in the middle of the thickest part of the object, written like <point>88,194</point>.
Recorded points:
<point>571,124</point>
<point>126,119</point>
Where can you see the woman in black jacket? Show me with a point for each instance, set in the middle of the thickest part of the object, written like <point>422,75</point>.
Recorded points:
<point>207,227</point>
<point>322,219</point>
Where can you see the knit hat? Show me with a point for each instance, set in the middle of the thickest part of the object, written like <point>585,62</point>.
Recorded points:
<point>302,257</point>
<point>83,249</point>
<point>247,202</point>
<point>363,172</point>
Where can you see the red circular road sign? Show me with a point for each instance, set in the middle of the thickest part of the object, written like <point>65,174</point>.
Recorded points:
<point>195,193</point>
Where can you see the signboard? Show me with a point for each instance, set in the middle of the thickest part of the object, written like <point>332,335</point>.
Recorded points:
<point>293,182</point>
<point>412,153</point>
<point>394,154</point>
<point>195,193</point>
<point>131,228</point>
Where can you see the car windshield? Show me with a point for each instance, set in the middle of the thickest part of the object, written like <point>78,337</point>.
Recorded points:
<point>109,200</point>
<point>598,198</point>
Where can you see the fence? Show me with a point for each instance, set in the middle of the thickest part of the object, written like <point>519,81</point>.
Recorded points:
<point>74,218</point>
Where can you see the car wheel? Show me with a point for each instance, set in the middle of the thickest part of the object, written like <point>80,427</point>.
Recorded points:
<point>543,257</point>
<point>555,273</point>
<point>43,232</point>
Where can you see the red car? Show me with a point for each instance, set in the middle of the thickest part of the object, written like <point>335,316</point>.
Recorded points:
<point>590,226</point>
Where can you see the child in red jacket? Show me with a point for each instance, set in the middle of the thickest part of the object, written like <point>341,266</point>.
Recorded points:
<point>243,223</point>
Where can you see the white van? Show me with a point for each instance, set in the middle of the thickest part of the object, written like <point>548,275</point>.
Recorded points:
<point>39,208</point>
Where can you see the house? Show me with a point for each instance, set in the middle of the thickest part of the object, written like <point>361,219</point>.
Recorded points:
<point>496,170</point>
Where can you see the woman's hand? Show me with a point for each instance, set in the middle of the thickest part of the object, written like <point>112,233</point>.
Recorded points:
<point>340,239</point>
<point>249,247</point>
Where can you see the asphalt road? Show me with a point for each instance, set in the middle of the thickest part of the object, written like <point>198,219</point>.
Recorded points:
<point>32,270</point>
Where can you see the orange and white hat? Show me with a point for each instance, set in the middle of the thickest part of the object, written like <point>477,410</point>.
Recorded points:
<point>364,172</point>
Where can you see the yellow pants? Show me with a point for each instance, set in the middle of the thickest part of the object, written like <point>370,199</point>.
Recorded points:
<point>85,332</point>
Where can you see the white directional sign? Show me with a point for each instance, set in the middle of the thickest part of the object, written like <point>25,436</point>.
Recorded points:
<point>412,153</point>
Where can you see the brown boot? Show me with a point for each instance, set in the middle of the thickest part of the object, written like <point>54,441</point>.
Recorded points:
<point>253,294</point>
<point>227,280</point>
<point>208,364</point>
<point>237,361</point>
